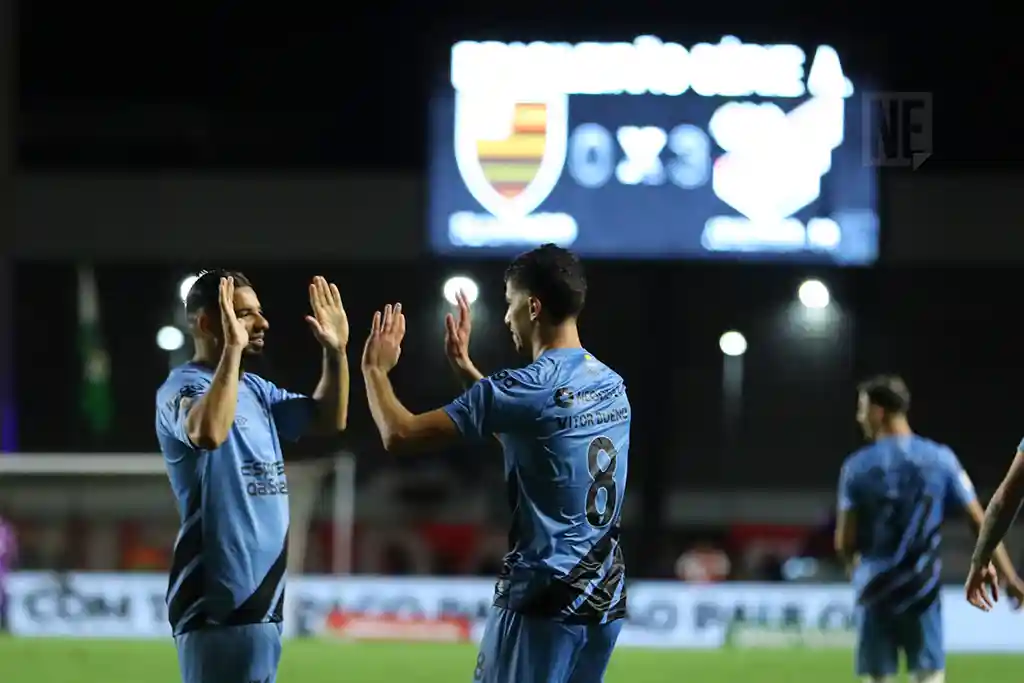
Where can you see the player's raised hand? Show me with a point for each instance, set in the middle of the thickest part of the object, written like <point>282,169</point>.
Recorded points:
<point>982,587</point>
<point>384,345</point>
<point>456,333</point>
<point>329,321</point>
<point>235,334</point>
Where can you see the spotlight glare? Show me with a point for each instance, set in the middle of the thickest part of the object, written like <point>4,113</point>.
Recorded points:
<point>170,338</point>
<point>733,343</point>
<point>814,294</point>
<point>454,285</point>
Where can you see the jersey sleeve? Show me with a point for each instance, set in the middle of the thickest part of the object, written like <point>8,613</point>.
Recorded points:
<point>177,395</point>
<point>292,412</point>
<point>496,404</point>
<point>960,487</point>
<point>845,497</point>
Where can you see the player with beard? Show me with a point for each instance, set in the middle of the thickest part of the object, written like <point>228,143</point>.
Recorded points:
<point>563,422</point>
<point>220,429</point>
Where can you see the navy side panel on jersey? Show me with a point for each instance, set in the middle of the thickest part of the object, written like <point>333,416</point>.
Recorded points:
<point>229,559</point>
<point>564,424</point>
<point>900,489</point>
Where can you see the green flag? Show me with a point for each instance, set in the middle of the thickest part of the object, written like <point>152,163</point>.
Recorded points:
<point>95,401</point>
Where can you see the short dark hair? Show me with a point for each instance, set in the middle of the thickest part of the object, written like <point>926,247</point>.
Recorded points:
<point>205,291</point>
<point>888,392</point>
<point>555,276</point>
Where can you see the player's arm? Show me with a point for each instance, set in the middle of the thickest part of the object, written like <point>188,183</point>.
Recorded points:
<point>999,516</point>
<point>331,393</point>
<point>400,429</point>
<point>845,538</point>
<point>208,418</point>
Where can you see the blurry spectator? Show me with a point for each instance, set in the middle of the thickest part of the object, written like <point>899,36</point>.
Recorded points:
<point>703,563</point>
<point>8,558</point>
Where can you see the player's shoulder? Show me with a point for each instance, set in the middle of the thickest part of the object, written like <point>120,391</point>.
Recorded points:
<point>931,445</point>
<point>572,366</point>
<point>185,380</point>
<point>934,450</point>
<point>256,382</point>
<point>860,459</point>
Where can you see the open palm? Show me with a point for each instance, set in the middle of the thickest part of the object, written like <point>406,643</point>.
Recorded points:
<point>329,321</point>
<point>457,332</point>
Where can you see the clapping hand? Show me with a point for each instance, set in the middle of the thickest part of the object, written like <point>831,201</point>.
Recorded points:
<point>235,334</point>
<point>329,321</point>
<point>456,334</point>
<point>384,345</point>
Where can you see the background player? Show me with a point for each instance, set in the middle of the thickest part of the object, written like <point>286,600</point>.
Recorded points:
<point>893,497</point>
<point>563,421</point>
<point>219,428</point>
<point>999,516</point>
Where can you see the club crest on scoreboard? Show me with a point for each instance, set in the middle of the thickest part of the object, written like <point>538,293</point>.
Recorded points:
<point>510,150</point>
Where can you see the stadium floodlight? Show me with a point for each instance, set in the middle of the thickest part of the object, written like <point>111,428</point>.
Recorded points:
<point>185,286</point>
<point>733,343</point>
<point>170,338</point>
<point>460,283</point>
<point>814,294</point>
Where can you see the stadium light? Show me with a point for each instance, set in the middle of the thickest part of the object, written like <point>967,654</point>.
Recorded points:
<point>170,338</point>
<point>454,285</point>
<point>814,294</point>
<point>733,343</point>
<point>185,286</point>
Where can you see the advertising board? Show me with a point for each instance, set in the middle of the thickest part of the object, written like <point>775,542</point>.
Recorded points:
<point>662,614</point>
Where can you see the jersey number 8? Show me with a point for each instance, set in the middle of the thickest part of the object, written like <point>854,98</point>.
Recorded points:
<point>604,480</point>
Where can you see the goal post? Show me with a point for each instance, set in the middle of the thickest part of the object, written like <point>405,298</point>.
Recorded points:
<point>57,494</point>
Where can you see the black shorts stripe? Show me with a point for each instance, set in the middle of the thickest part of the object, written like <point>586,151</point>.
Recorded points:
<point>556,600</point>
<point>258,607</point>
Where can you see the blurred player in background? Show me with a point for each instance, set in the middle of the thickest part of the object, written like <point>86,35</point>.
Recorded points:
<point>563,421</point>
<point>893,497</point>
<point>999,515</point>
<point>220,429</point>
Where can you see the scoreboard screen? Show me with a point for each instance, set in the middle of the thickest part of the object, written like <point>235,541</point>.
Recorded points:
<point>651,150</point>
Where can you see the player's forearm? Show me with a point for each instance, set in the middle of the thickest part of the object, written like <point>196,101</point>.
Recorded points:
<point>999,516</point>
<point>332,392</point>
<point>210,419</point>
<point>393,420</point>
<point>466,373</point>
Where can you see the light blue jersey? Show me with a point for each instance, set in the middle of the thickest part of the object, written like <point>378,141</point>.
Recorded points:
<point>230,555</point>
<point>901,488</point>
<point>564,423</point>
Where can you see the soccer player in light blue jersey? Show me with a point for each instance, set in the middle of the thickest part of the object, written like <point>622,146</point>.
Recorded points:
<point>563,422</point>
<point>894,495</point>
<point>220,429</point>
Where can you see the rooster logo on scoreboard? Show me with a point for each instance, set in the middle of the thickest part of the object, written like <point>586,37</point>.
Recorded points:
<point>510,150</point>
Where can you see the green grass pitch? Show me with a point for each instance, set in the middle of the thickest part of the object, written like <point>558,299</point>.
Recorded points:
<point>311,661</point>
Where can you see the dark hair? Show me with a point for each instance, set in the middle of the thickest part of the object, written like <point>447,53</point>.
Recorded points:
<point>555,276</point>
<point>205,292</point>
<point>888,392</point>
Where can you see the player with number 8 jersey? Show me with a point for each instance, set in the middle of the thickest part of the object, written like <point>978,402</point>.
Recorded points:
<point>563,423</point>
